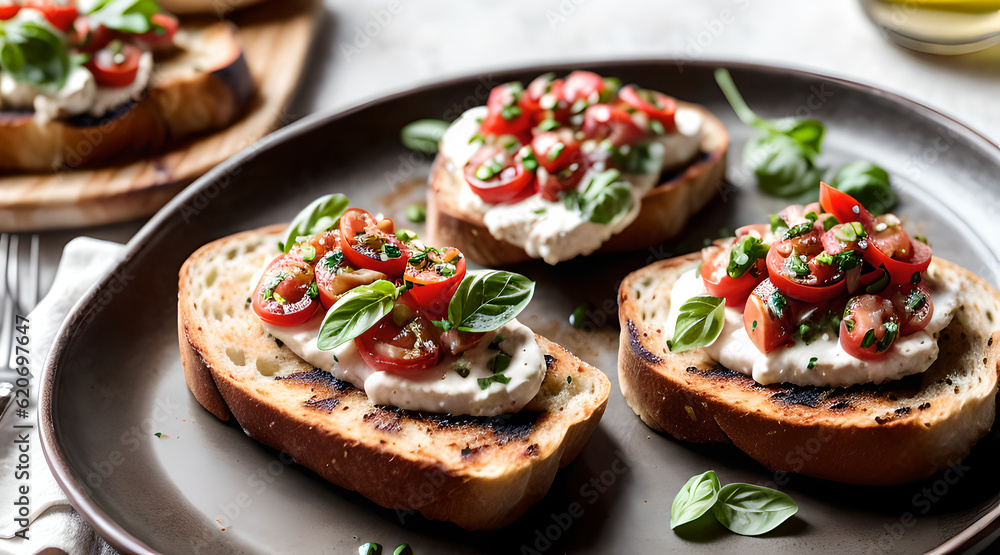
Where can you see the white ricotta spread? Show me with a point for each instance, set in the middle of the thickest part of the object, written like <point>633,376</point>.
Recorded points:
<point>79,95</point>
<point>911,354</point>
<point>550,230</point>
<point>440,389</point>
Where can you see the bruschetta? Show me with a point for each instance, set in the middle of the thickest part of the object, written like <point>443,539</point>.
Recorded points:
<point>106,82</point>
<point>827,342</point>
<point>567,167</point>
<point>384,365</point>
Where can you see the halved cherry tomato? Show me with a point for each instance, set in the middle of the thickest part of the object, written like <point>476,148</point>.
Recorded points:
<point>602,121</point>
<point>809,288</point>
<point>714,262</point>
<point>583,85</point>
<point>402,342</point>
<point>282,296</point>
<point>60,16</point>
<point>908,259</point>
<point>506,115</point>
<point>161,36</point>
<point>334,277</point>
<point>8,11</point>
<point>768,317</point>
<point>656,105</point>
<point>115,67</point>
<point>556,150</point>
<point>435,274</point>
<point>913,305</point>
<point>544,98</point>
<point>371,244</point>
<point>551,184</point>
<point>843,206</point>
<point>869,328</point>
<point>497,176</point>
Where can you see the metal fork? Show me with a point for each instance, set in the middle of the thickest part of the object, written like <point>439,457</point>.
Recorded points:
<point>20,295</point>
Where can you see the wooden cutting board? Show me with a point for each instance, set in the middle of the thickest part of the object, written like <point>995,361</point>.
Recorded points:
<point>276,36</point>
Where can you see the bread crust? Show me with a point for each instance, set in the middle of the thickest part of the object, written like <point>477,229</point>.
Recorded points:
<point>664,212</point>
<point>480,473</point>
<point>870,434</point>
<point>205,87</point>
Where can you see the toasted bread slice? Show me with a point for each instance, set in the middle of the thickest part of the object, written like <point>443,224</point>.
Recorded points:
<point>478,472</point>
<point>664,212</point>
<point>204,85</point>
<point>870,434</point>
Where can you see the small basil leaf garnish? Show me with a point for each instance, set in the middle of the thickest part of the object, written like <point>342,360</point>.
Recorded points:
<point>423,135</point>
<point>696,498</point>
<point>34,53</point>
<point>356,312</point>
<point>606,198</point>
<point>751,510</point>
<point>868,184</point>
<point>698,324</point>
<point>321,215</point>
<point>486,300</point>
<point>744,254</point>
<point>130,16</point>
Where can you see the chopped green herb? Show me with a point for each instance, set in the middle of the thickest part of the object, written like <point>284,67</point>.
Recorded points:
<point>548,125</point>
<point>921,238</point>
<point>796,264</point>
<point>510,112</point>
<point>829,222</point>
<point>868,340</point>
<point>499,363</point>
<point>539,210</point>
<point>569,379</point>
<point>812,363</point>
<point>915,301</point>
<point>477,138</point>
<point>370,549</point>
<point>753,326</point>
<point>797,230</point>
<point>777,303</point>
<point>579,315</point>
<point>495,342</point>
<point>158,434</point>
<point>556,150</point>
<point>278,298</point>
<point>850,232</point>
<point>489,168</point>
<point>528,159</point>
<point>391,251</point>
<point>313,292</point>
<point>656,127</point>
<point>462,368</point>
<point>744,255</point>
<point>891,331</point>
<point>308,253</point>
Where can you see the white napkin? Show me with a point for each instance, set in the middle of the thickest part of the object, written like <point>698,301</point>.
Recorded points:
<point>55,524</point>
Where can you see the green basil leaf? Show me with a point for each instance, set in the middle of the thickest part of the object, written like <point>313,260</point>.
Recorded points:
<point>698,324</point>
<point>35,53</point>
<point>423,135</point>
<point>606,199</point>
<point>356,312</point>
<point>696,498</point>
<point>868,184</point>
<point>752,510</point>
<point>129,16</point>
<point>646,159</point>
<point>488,299</point>
<point>321,215</point>
<point>781,165</point>
<point>807,133</point>
<point>745,253</point>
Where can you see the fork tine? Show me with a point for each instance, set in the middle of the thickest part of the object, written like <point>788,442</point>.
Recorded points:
<point>9,300</point>
<point>33,273</point>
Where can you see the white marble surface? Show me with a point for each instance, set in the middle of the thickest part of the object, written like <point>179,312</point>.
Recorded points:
<point>378,46</point>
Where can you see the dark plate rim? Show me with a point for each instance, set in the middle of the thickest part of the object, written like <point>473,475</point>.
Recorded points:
<point>120,538</point>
